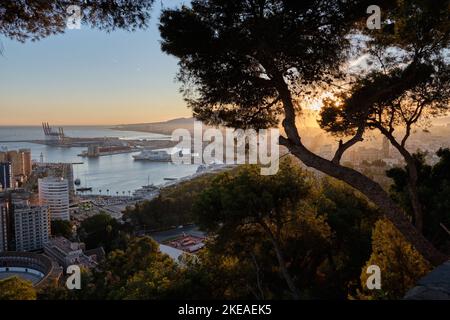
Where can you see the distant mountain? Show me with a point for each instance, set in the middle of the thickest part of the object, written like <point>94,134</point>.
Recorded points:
<point>165,127</point>
<point>307,121</point>
<point>168,122</point>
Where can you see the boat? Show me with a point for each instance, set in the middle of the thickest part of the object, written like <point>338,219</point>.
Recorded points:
<point>201,168</point>
<point>216,164</point>
<point>84,189</point>
<point>159,155</point>
<point>146,192</point>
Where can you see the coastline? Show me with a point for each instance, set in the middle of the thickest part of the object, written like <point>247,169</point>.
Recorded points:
<point>165,132</point>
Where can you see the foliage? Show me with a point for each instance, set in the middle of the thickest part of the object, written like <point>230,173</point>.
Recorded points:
<point>140,271</point>
<point>401,266</point>
<point>173,207</point>
<point>262,208</point>
<point>322,230</point>
<point>33,20</point>
<point>61,228</point>
<point>54,291</point>
<point>321,227</point>
<point>406,77</point>
<point>233,54</point>
<point>101,230</point>
<point>15,288</point>
<point>351,217</point>
<point>226,275</point>
<point>58,291</point>
<point>434,191</point>
<point>249,197</point>
<point>256,64</point>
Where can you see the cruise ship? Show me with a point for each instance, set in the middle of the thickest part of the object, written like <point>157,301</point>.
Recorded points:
<point>161,155</point>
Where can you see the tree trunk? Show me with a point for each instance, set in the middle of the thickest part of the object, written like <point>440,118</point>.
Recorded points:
<point>368,187</point>
<point>414,194</point>
<point>412,178</point>
<point>282,263</point>
<point>377,195</point>
<point>258,278</point>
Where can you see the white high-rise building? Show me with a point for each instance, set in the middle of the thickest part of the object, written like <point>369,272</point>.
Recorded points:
<point>54,193</point>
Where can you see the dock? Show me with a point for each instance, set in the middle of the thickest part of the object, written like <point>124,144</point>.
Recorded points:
<point>19,141</point>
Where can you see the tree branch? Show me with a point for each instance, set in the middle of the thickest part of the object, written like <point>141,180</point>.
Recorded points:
<point>346,145</point>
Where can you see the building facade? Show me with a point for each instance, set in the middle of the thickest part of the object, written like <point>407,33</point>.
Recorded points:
<point>20,164</point>
<point>68,253</point>
<point>60,170</point>
<point>26,163</point>
<point>31,226</point>
<point>4,211</point>
<point>6,180</point>
<point>54,193</point>
<point>22,227</point>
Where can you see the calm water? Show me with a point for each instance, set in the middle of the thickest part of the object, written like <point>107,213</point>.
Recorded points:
<point>118,173</point>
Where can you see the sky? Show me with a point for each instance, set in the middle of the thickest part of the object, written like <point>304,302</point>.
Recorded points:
<point>89,77</point>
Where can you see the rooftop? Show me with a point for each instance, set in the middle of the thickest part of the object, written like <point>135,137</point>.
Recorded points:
<point>65,245</point>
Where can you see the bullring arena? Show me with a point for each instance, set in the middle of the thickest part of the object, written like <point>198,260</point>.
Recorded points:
<point>37,268</point>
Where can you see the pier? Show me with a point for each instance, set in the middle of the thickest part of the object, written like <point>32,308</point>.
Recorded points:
<point>19,141</point>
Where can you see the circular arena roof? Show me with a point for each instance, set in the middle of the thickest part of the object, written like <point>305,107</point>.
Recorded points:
<point>33,267</point>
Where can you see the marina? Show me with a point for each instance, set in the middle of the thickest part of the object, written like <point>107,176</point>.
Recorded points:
<point>116,174</point>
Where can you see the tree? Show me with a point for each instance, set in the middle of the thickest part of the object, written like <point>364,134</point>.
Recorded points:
<point>351,218</point>
<point>140,271</point>
<point>249,203</point>
<point>401,266</point>
<point>54,291</point>
<point>15,288</point>
<point>61,228</point>
<point>433,192</point>
<point>101,230</point>
<point>218,275</point>
<point>407,82</point>
<point>34,20</point>
<point>57,290</point>
<point>173,206</point>
<point>249,64</point>
<point>324,237</point>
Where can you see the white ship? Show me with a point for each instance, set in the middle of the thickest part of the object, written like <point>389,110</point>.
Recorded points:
<point>146,192</point>
<point>161,155</point>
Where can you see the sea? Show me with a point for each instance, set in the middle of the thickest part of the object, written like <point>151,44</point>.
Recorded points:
<point>120,174</point>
